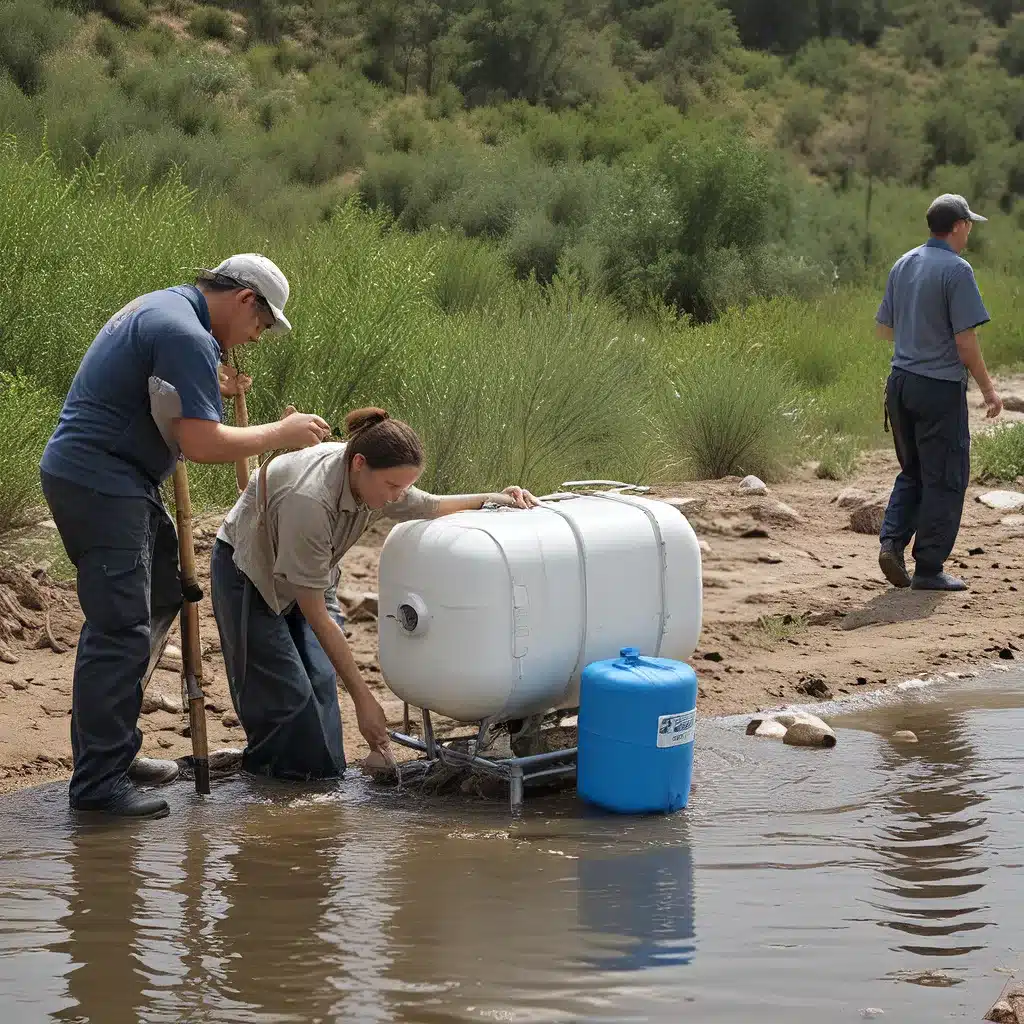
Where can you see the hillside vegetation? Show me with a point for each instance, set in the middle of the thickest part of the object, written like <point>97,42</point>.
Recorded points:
<point>561,237</point>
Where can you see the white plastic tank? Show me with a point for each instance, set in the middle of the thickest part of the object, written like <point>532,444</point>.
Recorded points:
<point>495,613</point>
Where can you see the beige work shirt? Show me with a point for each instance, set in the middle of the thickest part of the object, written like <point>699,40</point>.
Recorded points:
<point>313,519</point>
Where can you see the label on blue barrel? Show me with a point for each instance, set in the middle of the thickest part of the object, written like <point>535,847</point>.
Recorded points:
<point>674,730</point>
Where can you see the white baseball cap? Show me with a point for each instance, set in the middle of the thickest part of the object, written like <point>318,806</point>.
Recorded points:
<point>263,276</point>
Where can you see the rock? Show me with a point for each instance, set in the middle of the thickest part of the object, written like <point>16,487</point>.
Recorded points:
<point>1002,501</point>
<point>1009,1009</point>
<point>1013,403</point>
<point>770,558</point>
<point>1013,521</point>
<point>769,728</point>
<point>159,702</point>
<point>814,688</point>
<point>712,656</point>
<point>230,720</point>
<point>705,547</point>
<point>867,518</point>
<point>753,485</point>
<point>904,736</point>
<point>776,513</point>
<point>788,718</point>
<point>688,506</point>
<point>171,659</point>
<point>821,618</point>
<point>227,759</point>
<point>852,497</point>
<point>807,734</point>
<point>165,742</point>
<point>365,610</point>
<point>19,684</point>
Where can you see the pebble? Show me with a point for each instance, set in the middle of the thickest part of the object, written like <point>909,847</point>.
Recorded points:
<point>776,513</point>
<point>1003,501</point>
<point>19,684</point>
<point>807,734</point>
<point>688,506</point>
<point>753,485</point>
<point>705,547</point>
<point>867,518</point>
<point>904,736</point>
<point>230,720</point>
<point>770,558</point>
<point>851,497</point>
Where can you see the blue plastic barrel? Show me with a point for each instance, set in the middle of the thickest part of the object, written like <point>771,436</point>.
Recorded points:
<point>635,733</point>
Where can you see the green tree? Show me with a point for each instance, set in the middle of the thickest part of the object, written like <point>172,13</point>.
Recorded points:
<point>1011,49</point>
<point>518,48</point>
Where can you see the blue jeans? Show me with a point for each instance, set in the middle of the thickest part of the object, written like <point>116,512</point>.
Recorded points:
<point>283,685</point>
<point>933,444</point>
<point>125,551</point>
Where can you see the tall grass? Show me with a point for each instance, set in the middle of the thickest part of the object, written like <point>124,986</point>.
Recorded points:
<point>27,416</point>
<point>507,380</point>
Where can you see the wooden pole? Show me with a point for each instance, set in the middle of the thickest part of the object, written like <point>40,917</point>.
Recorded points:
<point>241,420</point>
<point>191,652</point>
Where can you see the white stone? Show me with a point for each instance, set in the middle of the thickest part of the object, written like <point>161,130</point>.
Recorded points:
<point>753,485</point>
<point>1002,501</point>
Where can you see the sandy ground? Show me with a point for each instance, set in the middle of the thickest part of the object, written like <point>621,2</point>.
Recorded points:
<point>794,612</point>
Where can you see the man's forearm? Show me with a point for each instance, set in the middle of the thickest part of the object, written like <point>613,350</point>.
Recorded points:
<point>883,331</point>
<point>205,441</point>
<point>969,347</point>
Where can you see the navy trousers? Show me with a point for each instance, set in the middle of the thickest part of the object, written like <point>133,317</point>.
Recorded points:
<point>933,445</point>
<point>283,685</point>
<point>125,551</point>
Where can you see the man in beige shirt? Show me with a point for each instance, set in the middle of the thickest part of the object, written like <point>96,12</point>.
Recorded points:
<point>275,557</point>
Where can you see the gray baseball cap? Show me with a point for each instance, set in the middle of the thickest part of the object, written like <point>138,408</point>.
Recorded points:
<point>255,271</point>
<point>949,208</point>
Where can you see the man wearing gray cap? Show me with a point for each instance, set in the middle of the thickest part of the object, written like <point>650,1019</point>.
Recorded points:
<point>101,472</point>
<point>930,311</point>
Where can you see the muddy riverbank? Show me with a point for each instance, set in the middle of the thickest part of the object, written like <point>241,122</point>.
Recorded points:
<point>795,609</point>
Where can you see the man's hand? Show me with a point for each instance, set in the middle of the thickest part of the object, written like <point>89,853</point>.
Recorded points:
<point>231,381</point>
<point>993,404</point>
<point>301,429</point>
<point>373,724</point>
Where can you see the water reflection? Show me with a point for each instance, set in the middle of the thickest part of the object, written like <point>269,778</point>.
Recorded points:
<point>932,842</point>
<point>644,897</point>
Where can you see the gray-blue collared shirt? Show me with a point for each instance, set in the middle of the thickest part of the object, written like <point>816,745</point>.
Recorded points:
<point>930,297</point>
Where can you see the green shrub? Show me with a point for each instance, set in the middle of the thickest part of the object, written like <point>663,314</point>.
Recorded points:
<point>533,248</point>
<point>27,418</point>
<point>728,409</point>
<point>210,22</point>
<point>998,454</point>
<point>129,13</point>
<point>1011,48</point>
<point>29,30</point>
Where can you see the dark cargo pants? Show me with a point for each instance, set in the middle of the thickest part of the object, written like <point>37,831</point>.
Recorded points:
<point>933,444</point>
<point>283,685</point>
<point>125,551</point>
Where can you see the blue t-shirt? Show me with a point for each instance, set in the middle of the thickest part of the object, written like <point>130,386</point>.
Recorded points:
<point>930,297</point>
<point>106,438</point>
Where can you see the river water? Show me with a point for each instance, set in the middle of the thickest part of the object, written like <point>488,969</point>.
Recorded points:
<point>799,886</point>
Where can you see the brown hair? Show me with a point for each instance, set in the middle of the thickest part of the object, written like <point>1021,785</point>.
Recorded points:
<point>384,443</point>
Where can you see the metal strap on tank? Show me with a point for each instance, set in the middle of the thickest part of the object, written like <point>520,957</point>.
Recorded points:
<point>624,499</point>
<point>583,582</point>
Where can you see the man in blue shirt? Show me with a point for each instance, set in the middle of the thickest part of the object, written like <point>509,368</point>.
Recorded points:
<point>100,473</point>
<point>930,311</point>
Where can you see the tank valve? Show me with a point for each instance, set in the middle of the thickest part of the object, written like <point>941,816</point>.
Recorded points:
<point>412,615</point>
